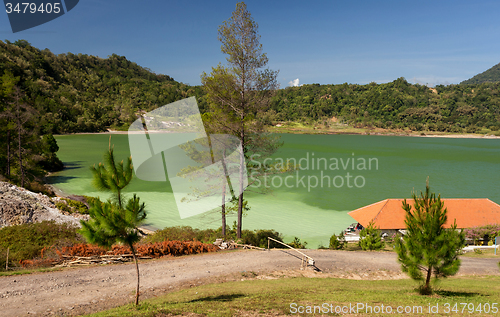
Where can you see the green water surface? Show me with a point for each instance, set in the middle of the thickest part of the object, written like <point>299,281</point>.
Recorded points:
<point>457,168</point>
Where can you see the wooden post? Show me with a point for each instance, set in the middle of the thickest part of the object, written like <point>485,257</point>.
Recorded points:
<point>496,245</point>
<point>270,241</point>
<point>7,261</point>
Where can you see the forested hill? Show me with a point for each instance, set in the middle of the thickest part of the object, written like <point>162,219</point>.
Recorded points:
<point>394,105</point>
<point>85,93</point>
<point>491,75</point>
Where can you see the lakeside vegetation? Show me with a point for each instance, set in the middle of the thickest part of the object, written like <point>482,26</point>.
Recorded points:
<point>38,242</point>
<point>36,245</point>
<point>394,105</point>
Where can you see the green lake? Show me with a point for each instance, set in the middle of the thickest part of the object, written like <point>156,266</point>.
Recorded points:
<point>313,204</point>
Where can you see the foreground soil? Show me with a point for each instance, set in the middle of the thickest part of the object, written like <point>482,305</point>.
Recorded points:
<point>76,291</point>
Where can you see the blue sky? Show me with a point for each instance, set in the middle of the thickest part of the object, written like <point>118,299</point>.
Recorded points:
<point>326,42</point>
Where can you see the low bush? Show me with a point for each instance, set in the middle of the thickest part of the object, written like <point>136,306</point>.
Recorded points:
<point>73,206</point>
<point>256,238</point>
<point>39,187</point>
<point>337,242</point>
<point>63,206</point>
<point>77,206</point>
<point>28,240</point>
<point>369,238</point>
<point>182,233</point>
<point>297,244</point>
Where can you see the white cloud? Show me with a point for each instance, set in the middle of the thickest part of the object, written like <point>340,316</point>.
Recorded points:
<point>432,81</point>
<point>294,83</point>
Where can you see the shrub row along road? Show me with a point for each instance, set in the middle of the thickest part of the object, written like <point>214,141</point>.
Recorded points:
<point>88,289</point>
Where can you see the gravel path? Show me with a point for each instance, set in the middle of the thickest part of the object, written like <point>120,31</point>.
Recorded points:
<point>83,290</point>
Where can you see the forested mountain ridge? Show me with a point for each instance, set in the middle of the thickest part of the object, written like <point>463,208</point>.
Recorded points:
<point>394,105</point>
<point>85,93</point>
<point>491,75</point>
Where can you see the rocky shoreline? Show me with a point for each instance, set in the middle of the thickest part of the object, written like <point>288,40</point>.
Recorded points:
<point>20,206</point>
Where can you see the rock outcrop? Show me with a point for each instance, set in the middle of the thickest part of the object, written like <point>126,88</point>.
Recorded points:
<point>19,206</point>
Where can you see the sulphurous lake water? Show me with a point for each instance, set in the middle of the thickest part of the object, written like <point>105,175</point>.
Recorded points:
<point>338,174</point>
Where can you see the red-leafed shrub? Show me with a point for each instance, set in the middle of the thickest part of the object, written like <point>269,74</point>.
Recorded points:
<point>37,263</point>
<point>81,249</point>
<point>154,250</point>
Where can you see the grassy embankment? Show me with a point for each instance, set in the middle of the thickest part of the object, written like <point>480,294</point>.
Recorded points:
<point>338,128</point>
<point>252,297</point>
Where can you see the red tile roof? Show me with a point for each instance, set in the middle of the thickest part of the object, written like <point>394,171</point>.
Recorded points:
<point>389,213</point>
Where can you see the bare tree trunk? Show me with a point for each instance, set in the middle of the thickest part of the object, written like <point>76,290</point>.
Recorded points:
<point>228,180</point>
<point>223,209</point>
<point>21,170</point>
<point>8,153</point>
<point>137,271</point>
<point>240,198</point>
<point>427,286</point>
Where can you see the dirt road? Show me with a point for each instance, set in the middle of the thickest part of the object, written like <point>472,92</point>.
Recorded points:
<point>89,289</point>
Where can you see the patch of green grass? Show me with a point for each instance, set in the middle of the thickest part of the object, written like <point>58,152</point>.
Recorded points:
<point>354,246</point>
<point>31,271</point>
<point>276,296</point>
<point>484,253</point>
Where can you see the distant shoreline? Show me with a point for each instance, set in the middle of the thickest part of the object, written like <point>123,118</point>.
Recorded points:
<point>333,132</point>
<point>450,136</point>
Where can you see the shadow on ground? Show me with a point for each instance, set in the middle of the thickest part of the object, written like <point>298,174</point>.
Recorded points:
<point>456,294</point>
<point>219,298</point>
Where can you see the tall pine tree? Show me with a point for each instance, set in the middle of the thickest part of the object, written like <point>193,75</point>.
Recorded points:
<point>427,247</point>
<point>239,93</point>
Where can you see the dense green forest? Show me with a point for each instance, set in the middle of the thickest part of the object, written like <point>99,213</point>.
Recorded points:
<point>394,105</point>
<point>489,76</point>
<point>43,94</point>
<point>85,93</point>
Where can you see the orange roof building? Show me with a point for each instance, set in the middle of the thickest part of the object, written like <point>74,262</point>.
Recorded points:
<point>389,213</point>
